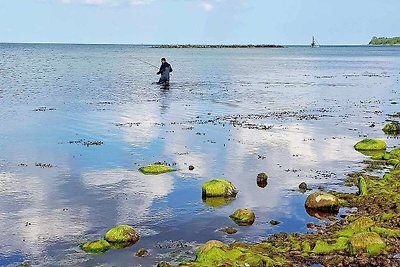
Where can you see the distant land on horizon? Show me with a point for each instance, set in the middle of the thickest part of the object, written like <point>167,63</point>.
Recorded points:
<point>385,41</point>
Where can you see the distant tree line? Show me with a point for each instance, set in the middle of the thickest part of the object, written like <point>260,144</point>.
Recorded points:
<point>385,41</point>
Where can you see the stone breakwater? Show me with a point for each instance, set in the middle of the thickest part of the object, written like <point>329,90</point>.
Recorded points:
<point>217,46</point>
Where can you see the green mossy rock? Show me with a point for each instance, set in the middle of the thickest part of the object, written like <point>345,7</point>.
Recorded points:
<point>122,234</point>
<point>369,242</point>
<point>218,188</point>
<point>362,186</point>
<point>156,168</point>
<point>392,128</point>
<point>370,144</point>
<point>243,217</point>
<point>210,244</point>
<point>322,201</point>
<point>96,247</point>
<point>395,153</point>
<point>393,162</point>
<point>358,226</point>
<point>322,247</point>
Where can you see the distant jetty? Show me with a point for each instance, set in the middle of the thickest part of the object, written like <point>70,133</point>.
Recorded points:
<point>384,41</point>
<point>217,46</point>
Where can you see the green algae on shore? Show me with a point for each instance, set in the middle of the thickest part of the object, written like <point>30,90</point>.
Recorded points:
<point>369,235</point>
<point>156,168</point>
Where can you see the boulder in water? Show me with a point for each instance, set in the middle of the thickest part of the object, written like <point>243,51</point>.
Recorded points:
<point>243,217</point>
<point>218,188</point>
<point>369,144</point>
<point>156,168</point>
<point>122,234</point>
<point>96,247</point>
<point>323,202</point>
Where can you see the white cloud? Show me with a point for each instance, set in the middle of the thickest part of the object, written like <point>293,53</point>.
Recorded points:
<point>207,6</point>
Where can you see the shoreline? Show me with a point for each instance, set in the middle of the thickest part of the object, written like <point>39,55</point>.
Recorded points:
<point>217,46</point>
<point>367,236</point>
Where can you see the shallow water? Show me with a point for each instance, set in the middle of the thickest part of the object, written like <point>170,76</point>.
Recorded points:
<point>294,113</point>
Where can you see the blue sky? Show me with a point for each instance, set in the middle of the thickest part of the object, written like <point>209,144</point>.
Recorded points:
<point>198,21</point>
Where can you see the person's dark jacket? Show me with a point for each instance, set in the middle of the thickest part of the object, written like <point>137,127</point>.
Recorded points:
<point>165,69</point>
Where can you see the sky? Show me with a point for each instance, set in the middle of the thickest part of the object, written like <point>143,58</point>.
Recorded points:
<point>198,21</point>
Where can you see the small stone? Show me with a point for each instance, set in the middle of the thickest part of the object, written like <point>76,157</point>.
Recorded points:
<point>273,222</point>
<point>303,187</point>
<point>262,180</point>
<point>141,252</point>
<point>310,225</point>
<point>191,168</point>
<point>229,230</point>
<point>164,264</point>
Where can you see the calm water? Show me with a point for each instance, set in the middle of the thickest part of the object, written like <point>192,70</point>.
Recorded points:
<point>294,113</point>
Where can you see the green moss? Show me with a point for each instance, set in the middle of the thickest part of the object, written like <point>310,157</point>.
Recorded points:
<point>218,188</point>
<point>370,144</point>
<point>156,168</point>
<point>393,162</point>
<point>322,247</point>
<point>385,232</point>
<point>369,242</point>
<point>122,234</point>
<point>392,128</point>
<point>96,247</point>
<point>395,153</point>
<point>243,217</point>
<point>362,186</point>
<point>358,226</point>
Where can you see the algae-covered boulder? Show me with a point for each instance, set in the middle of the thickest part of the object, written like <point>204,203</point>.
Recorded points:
<point>395,153</point>
<point>156,168</point>
<point>322,201</point>
<point>369,242</point>
<point>369,144</point>
<point>243,217</point>
<point>122,234</point>
<point>392,128</point>
<point>210,244</point>
<point>218,188</point>
<point>96,247</point>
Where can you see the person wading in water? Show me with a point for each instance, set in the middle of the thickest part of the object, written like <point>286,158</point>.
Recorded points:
<point>165,69</point>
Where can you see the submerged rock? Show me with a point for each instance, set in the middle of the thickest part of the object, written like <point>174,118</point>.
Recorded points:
<point>218,188</point>
<point>274,222</point>
<point>369,242</point>
<point>156,168</point>
<point>96,247</point>
<point>262,180</point>
<point>243,217</point>
<point>228,230</point>
<point>323,202</point>
<point>392,128</point>
<point>142,252</point>
<point>369,144</point>
<point>123,234</point>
